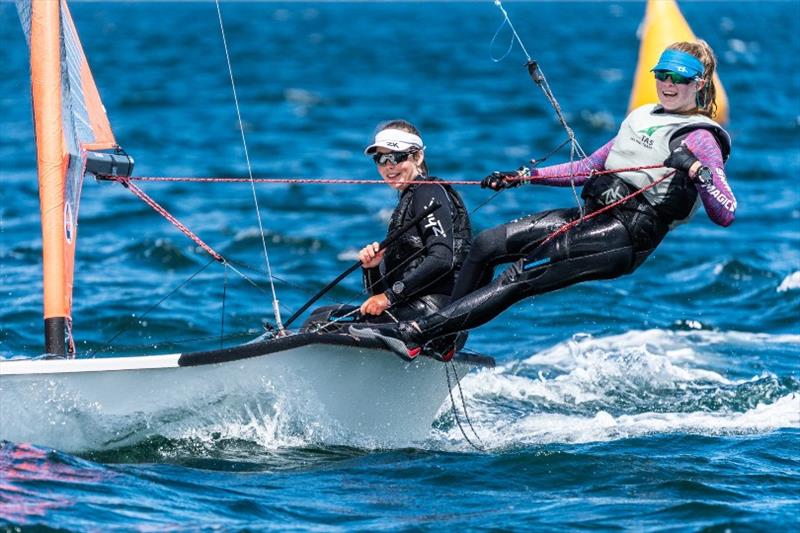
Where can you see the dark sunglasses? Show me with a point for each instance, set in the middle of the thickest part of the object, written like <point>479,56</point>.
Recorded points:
<point>394,158</point>
<point>662,75</point>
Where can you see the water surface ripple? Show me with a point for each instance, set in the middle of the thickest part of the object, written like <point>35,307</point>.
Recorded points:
<point>666,400</point>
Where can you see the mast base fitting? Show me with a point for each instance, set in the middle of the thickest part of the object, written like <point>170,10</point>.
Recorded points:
<point>55,336</point>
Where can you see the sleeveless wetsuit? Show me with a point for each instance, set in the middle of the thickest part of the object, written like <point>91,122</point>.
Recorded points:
<point>607,246</point>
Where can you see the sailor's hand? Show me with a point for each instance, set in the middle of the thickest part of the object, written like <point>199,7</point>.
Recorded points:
<point>499,180</point>
<point>681,158</point>
<point>375,305</point>
<point>371,255</point>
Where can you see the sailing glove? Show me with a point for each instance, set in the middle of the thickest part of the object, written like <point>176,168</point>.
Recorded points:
<point>499,180</point>
<point>681,158</point>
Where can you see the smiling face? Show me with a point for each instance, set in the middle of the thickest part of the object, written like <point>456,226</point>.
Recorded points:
<point>676,97</point>
<point>400,175</point>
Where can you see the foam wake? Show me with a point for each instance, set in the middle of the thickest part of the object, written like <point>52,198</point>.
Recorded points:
<point>637,383</point>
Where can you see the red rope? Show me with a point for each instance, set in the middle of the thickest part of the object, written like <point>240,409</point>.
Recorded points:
<point>566,227</point>
<point>164,213</point>
<point>347,181</point>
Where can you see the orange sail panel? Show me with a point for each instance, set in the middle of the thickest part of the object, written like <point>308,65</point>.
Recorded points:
<point>69,119</point>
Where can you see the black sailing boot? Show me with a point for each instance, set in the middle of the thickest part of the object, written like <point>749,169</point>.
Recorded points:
<point>401,338</point>
<point>445,347</point>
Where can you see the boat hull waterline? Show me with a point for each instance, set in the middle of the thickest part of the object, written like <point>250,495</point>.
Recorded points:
<point>330,387</point>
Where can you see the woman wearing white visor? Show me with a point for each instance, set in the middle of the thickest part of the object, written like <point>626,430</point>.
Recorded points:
<point>415,275</point>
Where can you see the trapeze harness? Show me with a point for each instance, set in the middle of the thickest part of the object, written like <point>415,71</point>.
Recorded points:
<point>607,246</point>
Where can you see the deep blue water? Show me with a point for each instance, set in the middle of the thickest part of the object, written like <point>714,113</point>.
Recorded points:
<point>666,400</point>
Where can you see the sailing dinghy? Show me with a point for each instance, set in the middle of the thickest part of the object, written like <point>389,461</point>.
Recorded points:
<point>354,389</point>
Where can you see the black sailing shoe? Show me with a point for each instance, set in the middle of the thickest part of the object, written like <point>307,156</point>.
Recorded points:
<point>445,347</point>
<point>397,337</point>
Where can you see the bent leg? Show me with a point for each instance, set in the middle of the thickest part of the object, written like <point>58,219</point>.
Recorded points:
<point>506,243</point>
<point>597,249</point>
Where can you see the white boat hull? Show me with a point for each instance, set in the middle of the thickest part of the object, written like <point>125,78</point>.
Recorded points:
<point>337,393</point>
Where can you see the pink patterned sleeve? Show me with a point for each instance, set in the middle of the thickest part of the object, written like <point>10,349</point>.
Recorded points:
<point>717,196</point>
<point>559,175</point>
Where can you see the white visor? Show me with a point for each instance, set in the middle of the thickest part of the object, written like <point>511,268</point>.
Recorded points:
<point>396,141</point>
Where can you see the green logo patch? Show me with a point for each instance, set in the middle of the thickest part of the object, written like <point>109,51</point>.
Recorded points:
<point>651,130</point>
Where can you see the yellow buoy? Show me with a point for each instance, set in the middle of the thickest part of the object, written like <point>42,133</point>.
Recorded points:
<point>663,25</point>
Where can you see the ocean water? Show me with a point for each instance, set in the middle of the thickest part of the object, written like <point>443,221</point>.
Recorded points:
<point>665,400</point>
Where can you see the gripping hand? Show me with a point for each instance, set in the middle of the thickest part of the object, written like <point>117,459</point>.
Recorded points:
<point>498,180</point>
<point>681,158</point>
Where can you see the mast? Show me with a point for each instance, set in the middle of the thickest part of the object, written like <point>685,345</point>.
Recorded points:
<point>50,154</point>
<point>71,126</point>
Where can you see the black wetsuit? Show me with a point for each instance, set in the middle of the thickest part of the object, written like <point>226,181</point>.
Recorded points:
<point>604,247</point>
<point>418,270</point>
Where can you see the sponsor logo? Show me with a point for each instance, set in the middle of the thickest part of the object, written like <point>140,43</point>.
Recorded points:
<point>721,198</point>
<point>682,69</point>
<point>651,130</point>
<point>434,224</point>
<point>533,264</point>
<point>69,223</point>
<point>393,144</point>
<point>645,138</point>
<point>611,195</point>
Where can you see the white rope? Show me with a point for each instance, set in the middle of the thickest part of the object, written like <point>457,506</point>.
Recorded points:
<point>499,5</point>
<point>275,305</point>
<point>575,147</point>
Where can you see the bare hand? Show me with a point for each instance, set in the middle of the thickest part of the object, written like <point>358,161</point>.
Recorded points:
<point>371,255</point>
<point>375,305</point>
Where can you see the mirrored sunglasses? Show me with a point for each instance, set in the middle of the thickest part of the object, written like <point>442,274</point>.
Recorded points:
<point>394,158</point>
<point>662,75</point>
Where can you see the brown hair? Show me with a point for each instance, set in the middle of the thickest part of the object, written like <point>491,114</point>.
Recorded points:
<point>403,125</point>
<point>707,96</point>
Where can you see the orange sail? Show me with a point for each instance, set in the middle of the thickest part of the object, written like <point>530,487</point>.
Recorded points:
<point>663,25</point>
<point>69,119</point>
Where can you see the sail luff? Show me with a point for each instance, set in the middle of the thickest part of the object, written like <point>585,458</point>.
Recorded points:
<point>52,161</point>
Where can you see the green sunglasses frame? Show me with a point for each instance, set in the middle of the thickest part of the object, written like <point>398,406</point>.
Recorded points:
<point>662,75</point>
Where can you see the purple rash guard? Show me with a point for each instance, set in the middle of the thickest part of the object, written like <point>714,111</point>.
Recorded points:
<point>717,197</point>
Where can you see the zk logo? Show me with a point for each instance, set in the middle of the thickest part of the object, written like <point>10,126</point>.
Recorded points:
<point>434,224</point>
<point>392,144</point>
<point>682,69</point>
<point>611,195</point>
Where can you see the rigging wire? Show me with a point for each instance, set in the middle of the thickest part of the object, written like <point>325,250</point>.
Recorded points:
<point>464,403</point>
<point>539,78</point>
<point>123,329</point>
<point>514,34</point>
<point>347,181</point>
<point>480,447</point>
<point>222,312</point>
<point>275,304</point>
